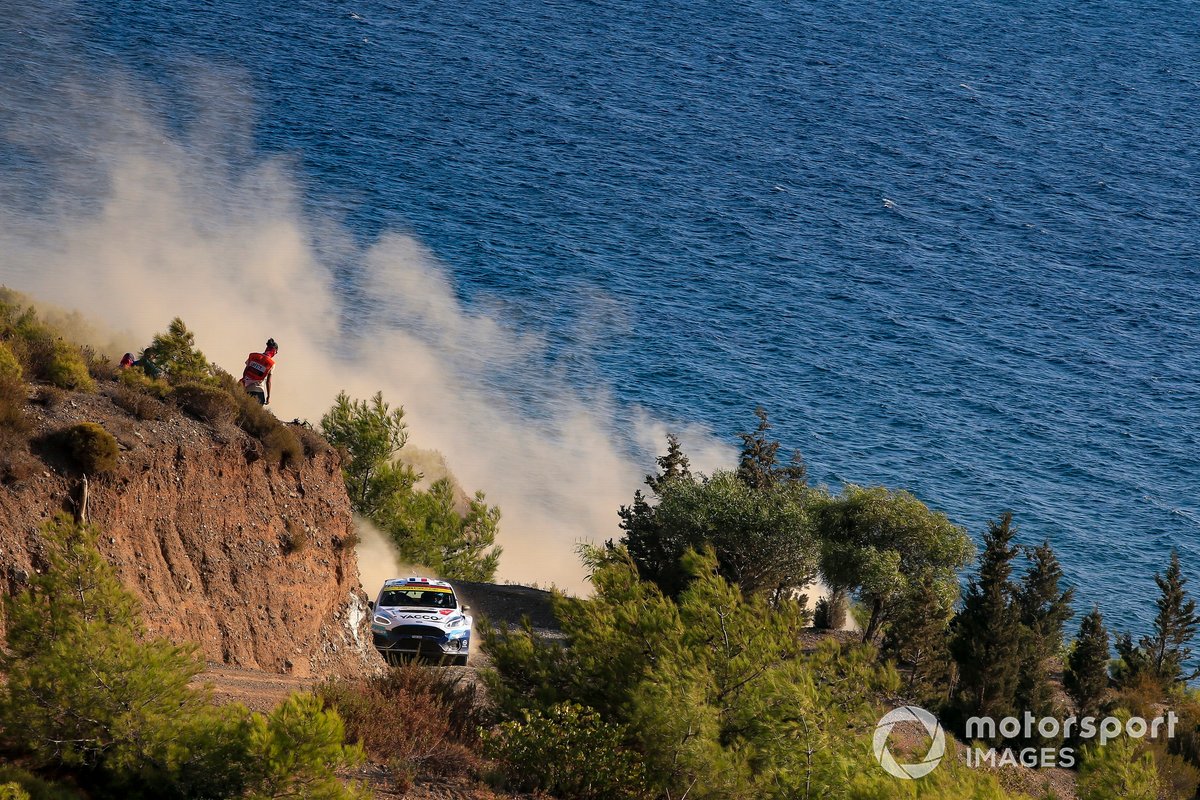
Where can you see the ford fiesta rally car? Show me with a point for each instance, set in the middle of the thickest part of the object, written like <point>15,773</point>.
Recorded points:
<point>420,618</point>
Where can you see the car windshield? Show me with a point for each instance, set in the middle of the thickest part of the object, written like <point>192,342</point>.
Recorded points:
<point>422,598</point>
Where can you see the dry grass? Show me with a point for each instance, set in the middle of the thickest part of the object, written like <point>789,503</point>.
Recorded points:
<point>283,447</point>
<point>49,397</point>
<point>295,538</point>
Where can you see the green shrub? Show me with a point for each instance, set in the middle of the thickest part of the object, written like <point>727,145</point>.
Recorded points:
<point>830,612</point>
<point>174,352</point>
<point>10,367</point>
<point>31,342</point>
<point>13,791</point>
<point>1117,771</point>
<point>567,751</point>
<point>92,449</point>
<point>140,405</point>
<point>67,369</point>
<point>34,787</point>
<point>205,402</point>
<point>76,612</point>
<point>86,693</point>
<point>136,379</point>
<point>297,750</point>
<point>14,422</point>
<point>100,366</point>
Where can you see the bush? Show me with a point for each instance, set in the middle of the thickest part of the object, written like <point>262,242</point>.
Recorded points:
<point>84,691</point>
<point>35,788</point>
<point>140,405</point>
<point>297,750</point>
<point>830,612</point>
<point>295,538</point>
<point>174,352</point>
<point>283,447</point>
<point>92,449</point>
<point>100,366</point>
<point>31,341</point>
<point>13,791</point>
<point>210,404</point>
<point>67,369</point>
<point>279,443</point>
<point>14,423</point>
<point>17,465</point>
<point>136,379</point>
<point>312,442</point>
<point>9,366</point>
<point>570,752</point>
<point>49,396</point>
<point>59,713</point>
<point>438,712</point>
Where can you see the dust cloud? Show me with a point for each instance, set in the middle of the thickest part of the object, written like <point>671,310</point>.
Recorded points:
<point>143,223</point>
<point>378,560</point>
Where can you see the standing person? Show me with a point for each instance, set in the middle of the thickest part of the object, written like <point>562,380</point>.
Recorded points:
<point>257,375</point>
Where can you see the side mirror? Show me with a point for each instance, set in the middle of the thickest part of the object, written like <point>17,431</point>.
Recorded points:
<point>466,608</point>
<point>371,604</point>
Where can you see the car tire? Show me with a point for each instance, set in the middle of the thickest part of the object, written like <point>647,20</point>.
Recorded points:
<point>459,661</point>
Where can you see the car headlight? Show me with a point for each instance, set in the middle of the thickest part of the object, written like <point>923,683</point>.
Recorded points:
<point>378,620</point>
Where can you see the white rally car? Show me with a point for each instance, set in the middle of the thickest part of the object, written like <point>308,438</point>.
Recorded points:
<point>420,618</point>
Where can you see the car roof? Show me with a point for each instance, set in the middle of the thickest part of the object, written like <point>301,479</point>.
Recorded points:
<point>415,582</point>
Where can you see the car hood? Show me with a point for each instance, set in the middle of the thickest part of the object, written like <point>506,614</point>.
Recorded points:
<point>421,616</point>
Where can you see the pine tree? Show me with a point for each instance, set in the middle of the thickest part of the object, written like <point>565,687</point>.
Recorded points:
<point>986,633</point>
<point>1175,626</point>
<point>1044,608</point>
<point>1086,676</point>
<point>1164,656</point>
<point>77,612</point>
<point>175,353</point>
<point>372,433</point>
<point>758,464</point>
<point>1117,771</point>
<point>916,638</point>
<point>428,529</point>
<point>673,465</point>
<point>655,554</point>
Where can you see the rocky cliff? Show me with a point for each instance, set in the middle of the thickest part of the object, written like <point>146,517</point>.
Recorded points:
<point>253,562</point>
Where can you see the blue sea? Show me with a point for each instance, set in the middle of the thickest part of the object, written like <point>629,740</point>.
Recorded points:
<point>949,246</point>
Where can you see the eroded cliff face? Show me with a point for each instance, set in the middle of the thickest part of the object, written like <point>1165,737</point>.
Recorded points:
<point>253,563</point>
